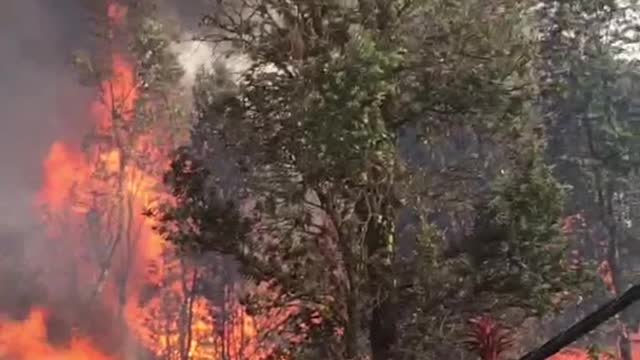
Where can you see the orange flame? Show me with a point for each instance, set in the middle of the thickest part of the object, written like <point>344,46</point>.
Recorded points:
<point>63,168</point>
<point>70,181</point>
<point>27,340</point>
<point>581,354</point>
<point>118,98</point>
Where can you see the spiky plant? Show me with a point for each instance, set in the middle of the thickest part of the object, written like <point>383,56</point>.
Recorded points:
<point>488,338</point>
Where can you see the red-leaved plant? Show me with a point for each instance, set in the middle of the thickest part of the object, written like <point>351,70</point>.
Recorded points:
<point>488,338</point>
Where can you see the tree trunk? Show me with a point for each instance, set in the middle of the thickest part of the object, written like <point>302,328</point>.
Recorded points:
<point>382,326</point>
<point>352,327</point>
<point>624,345</point>
<point>382,331</point>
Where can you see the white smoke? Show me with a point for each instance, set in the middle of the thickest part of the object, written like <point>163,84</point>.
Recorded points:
<point>193,55</point>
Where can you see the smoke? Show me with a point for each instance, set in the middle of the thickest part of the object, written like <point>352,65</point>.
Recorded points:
<point>41,101</point>
<point>192,55</point>
<point>39,96</point>
<point>195,54</point>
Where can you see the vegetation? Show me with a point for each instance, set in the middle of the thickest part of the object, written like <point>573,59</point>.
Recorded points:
<point>488,338</point>
<point>361,179</point>
<point>381,169</point>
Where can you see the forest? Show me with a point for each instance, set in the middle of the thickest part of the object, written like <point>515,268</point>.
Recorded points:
<point>341,180</point>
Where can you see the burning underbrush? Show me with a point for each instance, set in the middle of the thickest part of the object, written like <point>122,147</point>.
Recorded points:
<point>35,337</point>
<point>42,316</point>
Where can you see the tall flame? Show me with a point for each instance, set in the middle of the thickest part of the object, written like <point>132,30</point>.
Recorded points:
<point>74,180</point>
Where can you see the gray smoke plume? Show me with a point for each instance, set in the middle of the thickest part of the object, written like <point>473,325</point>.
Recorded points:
<point>40,100</point>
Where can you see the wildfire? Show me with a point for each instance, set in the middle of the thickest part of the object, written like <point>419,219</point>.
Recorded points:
<point>27,340</point>
<point>581,354</point>
<point>99,194</point>
<point>63,168</point>
<point>118,95</point>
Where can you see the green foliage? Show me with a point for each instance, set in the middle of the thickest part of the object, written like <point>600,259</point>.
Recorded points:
<point>344,125</point>
<point>528,203</point>
<point>157,69</point>
<point>595,136</point>
<point>296,170</point>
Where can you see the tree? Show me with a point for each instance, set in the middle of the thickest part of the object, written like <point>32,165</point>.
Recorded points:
<point>298,169</point>
<point>136,123</point>
<point>585,325</point>
<point>594,133</point>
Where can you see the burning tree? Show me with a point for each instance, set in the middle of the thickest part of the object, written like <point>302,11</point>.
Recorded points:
<point>135,76</point>
<point>111,179</point>
<point>125,146</point>
<point>97,195</point>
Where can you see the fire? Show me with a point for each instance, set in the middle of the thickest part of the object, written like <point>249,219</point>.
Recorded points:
<point>118,95</point>
<point>581,354</point>
<point>63,168</point>
<point>27,340</point>
<point>100,193</point>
